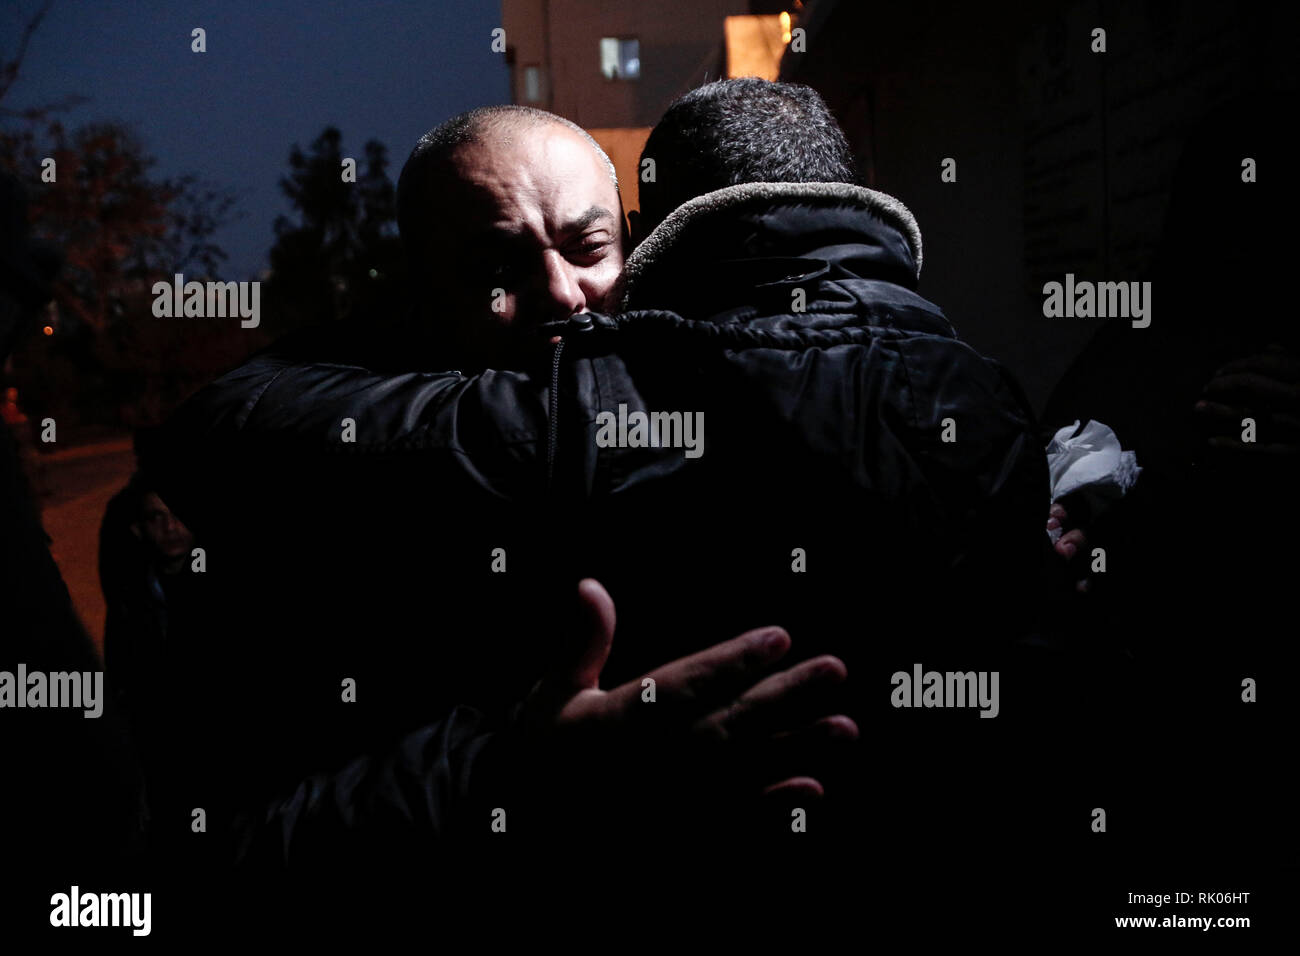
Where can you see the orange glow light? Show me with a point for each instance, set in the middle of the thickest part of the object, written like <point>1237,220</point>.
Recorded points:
<point>48,330</point>
<point>754,45</point>
<point>785,28</point>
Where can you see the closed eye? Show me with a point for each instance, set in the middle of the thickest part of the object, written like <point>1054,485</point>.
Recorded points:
<point>590,247</point>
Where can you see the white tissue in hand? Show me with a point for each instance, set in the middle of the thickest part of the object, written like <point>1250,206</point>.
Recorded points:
<point>1092,461</point>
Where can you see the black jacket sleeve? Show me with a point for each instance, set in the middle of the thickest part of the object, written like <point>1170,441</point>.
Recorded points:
<point>425,790</point>
<point>263,459</point>
<point>977,440</point>
<point>486,432</point>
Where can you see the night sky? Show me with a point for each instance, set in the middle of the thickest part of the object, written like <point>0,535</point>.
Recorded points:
<point>274,73</point>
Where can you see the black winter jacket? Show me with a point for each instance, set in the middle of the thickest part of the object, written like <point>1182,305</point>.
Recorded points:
<point>865,479</point>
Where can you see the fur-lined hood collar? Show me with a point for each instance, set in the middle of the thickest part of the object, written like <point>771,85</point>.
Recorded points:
<point>669,232</point>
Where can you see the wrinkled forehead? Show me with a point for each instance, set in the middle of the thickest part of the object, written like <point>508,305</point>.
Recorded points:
<point>532,177</point>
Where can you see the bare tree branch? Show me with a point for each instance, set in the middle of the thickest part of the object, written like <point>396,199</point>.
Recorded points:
<point>9,71</point>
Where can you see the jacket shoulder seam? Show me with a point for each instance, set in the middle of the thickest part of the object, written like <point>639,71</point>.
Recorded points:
<point>251,405</point>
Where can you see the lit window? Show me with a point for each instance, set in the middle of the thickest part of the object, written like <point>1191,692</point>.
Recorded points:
<point>620,58</point>
<point>532,84</point>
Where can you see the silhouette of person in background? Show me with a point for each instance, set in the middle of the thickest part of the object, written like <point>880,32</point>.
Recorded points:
<point>20,428</point>
<point>72,801</point>
<point>1198,586</point>
<point>1221,349</point>
<point>144,554</point>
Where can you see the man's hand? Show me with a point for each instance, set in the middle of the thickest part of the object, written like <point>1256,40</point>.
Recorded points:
<point>718,698</point>
<point>1265,387</point>
<point>1071,544</point>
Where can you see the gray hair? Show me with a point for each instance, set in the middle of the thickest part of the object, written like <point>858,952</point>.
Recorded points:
<point>744,130</point>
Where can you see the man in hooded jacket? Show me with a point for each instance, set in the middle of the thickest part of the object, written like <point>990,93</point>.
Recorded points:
<point>852,467</point>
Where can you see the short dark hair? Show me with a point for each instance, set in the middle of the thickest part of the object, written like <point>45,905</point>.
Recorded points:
<point>744,130</point>
<point>434,149</point>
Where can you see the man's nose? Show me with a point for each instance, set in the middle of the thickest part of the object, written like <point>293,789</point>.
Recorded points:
<point>563,292</point>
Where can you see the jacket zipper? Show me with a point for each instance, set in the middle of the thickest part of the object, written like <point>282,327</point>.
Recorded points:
<point>553,423</point>
<point>575,323</point>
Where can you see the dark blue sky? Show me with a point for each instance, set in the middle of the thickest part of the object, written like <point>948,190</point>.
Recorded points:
<point>275,72</point>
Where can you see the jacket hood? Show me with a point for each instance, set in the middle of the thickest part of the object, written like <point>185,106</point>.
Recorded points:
<point>762,232</point>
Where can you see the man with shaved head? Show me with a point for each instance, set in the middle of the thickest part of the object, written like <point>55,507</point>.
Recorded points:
<point>511,217</point>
